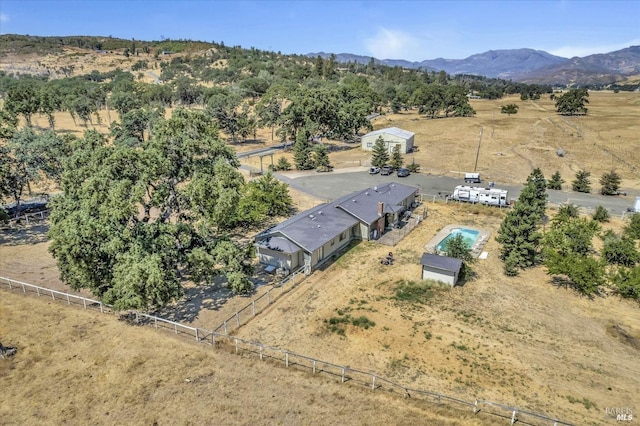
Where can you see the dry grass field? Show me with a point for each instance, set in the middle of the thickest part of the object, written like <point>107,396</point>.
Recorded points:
<point>519,341</point>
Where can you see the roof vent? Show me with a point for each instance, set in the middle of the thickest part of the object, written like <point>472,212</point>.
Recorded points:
<point>375,188</point>
<point>354,200</point>
<point>320,212</point>
<point>366,193</point>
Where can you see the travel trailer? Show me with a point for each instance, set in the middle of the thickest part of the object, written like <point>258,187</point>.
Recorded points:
<point>489,196</point>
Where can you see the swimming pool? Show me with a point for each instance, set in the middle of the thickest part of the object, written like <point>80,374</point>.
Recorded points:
<point>469,237</point>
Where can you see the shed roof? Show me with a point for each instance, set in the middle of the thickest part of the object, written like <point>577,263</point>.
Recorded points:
<point>392,131</point>
<point>441,262</point>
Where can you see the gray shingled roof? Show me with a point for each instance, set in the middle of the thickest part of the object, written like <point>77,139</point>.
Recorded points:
<point>441,262</point>
<point>393,131</point>
<point>315,227</point>
<point>364,204</point>
<point>280,244</point>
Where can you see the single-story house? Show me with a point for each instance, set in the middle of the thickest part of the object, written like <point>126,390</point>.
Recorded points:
<point>392,137</point>
<point>440,268</point>
<point>313,236</point>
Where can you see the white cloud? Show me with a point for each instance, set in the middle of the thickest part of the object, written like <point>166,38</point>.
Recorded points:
<point>582,51</point>
<point>4,17</point>
<point>393,44</point>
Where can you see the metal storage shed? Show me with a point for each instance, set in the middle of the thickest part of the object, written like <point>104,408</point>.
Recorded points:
<point>440,268</point>
<point>392,136</point>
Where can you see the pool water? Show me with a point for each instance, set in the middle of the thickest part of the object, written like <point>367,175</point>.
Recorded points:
<point>469,236</point>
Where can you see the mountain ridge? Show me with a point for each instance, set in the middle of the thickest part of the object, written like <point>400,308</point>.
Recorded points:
<point>524,65</point>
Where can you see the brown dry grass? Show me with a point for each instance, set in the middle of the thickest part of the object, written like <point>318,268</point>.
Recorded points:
<point>81,367</point>
<point>520,341</point>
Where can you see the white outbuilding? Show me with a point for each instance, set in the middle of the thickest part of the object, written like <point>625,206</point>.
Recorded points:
<point>392,136</point>
<point>440,268</point>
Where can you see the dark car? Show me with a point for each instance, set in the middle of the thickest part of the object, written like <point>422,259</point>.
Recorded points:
<point>402,172</point>
<point>386,170</point>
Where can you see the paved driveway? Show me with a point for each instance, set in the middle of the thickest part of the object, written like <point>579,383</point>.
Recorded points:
<point>341,182</point>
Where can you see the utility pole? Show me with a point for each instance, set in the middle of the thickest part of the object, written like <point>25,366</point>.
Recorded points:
<point>478,151</point>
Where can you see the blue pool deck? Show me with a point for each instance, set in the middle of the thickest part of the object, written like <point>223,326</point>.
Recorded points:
<point>476,249</point>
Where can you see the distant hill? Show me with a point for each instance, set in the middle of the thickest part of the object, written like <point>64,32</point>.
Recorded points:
<point>593,69</point>
<point>525,65</point>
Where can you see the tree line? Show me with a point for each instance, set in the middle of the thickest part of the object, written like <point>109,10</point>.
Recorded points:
<point>567,247</point>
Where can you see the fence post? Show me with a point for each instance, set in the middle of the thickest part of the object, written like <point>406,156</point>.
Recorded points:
<point>253,307</point>
<point>238,319</point>
<point>225,328</point>
<point>373,383</point>
<point>213,339</point>
<point>9,281</point>
<point>286,359</point>
<point>24,290</point>
<point>475,407</point>
<point>38,291</point>
<point>342,374</point>
<point>137,318</point>
<point>261,349</point>
<point>68,301</point>
<point>84,302</point>
<point>53,295</point>
<point>236,340</point>
<point>513,417</point>
<point>175,327</point>
<point>155,321</point>
<point>197,340</point>
<point>269,297</point>
<point>314,366</point>
<point>101,310</point>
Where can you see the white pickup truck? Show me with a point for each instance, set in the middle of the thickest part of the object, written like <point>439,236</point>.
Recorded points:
<point>472,178</point>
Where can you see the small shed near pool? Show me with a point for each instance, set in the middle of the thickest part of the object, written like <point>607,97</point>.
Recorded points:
<point>440,268</point>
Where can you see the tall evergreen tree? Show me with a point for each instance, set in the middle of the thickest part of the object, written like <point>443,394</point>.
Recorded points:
<point>302,153</point>
<point>518,233</point>
<point>380,155</point>
<point>321,156</point>
<point>582,183</point>
<point>396,158</point>
<point>556,181</point>
<point>610,182</point>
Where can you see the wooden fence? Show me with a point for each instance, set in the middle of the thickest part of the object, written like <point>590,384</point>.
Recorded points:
<point>359,378</point>
<point>243,315</point>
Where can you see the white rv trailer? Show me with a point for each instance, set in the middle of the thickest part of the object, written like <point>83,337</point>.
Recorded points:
<point>473,194</point>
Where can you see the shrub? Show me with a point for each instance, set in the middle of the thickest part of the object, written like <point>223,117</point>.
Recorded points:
<point>601,214</point>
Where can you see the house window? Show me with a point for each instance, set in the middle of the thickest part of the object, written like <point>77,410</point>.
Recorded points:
<point>343,236</point>
<point>333,241</point>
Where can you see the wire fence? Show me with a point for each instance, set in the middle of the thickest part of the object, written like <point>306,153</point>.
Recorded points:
<point>346,374</point>
<point>259,304</point>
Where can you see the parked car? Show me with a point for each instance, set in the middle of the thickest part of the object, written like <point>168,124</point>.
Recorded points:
<point>374,170</point>
<point>402,172</point>
<point>386,170</point>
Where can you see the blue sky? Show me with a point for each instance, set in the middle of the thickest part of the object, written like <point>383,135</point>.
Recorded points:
<point>412,30</point>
